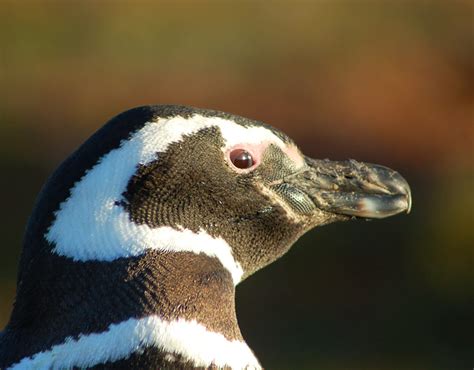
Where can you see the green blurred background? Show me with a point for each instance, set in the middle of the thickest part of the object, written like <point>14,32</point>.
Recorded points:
<point>385,82</point>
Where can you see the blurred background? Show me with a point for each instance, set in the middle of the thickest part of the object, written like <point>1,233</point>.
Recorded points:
<point>385,82</point>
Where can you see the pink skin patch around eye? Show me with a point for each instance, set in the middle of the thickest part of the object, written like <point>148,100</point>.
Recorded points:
<point>295,155</point>
<point>256,151</point>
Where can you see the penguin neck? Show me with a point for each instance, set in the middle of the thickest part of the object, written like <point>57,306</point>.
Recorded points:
<point>185,286</point>
<point>172,297</point>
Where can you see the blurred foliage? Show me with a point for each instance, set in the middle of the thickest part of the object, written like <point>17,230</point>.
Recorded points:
<point>387,82</point>
<point>447,256</point>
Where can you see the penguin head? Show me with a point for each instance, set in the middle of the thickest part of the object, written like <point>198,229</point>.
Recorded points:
<point>178,178</point>
<point>137,240</point>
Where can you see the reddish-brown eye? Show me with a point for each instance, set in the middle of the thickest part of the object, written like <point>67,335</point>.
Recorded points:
<point>241,159</point>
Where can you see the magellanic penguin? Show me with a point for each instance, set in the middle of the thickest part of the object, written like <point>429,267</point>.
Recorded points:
<point>137,241</point>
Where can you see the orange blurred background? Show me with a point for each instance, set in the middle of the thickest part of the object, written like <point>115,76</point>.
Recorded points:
<point>384,82</point>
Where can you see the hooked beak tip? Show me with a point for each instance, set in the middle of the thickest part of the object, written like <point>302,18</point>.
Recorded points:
<point>409,203</point>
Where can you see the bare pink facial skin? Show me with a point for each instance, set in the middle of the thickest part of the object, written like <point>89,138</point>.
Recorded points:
<point>257,150</point>
<point>295,155</point>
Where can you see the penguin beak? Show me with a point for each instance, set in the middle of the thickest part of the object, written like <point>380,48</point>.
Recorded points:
<point>353,188</point>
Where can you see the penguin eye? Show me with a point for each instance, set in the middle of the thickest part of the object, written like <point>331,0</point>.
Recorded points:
<point>242,159</point>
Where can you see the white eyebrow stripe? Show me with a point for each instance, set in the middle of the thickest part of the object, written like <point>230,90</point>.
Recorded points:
<point>89,225</point>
